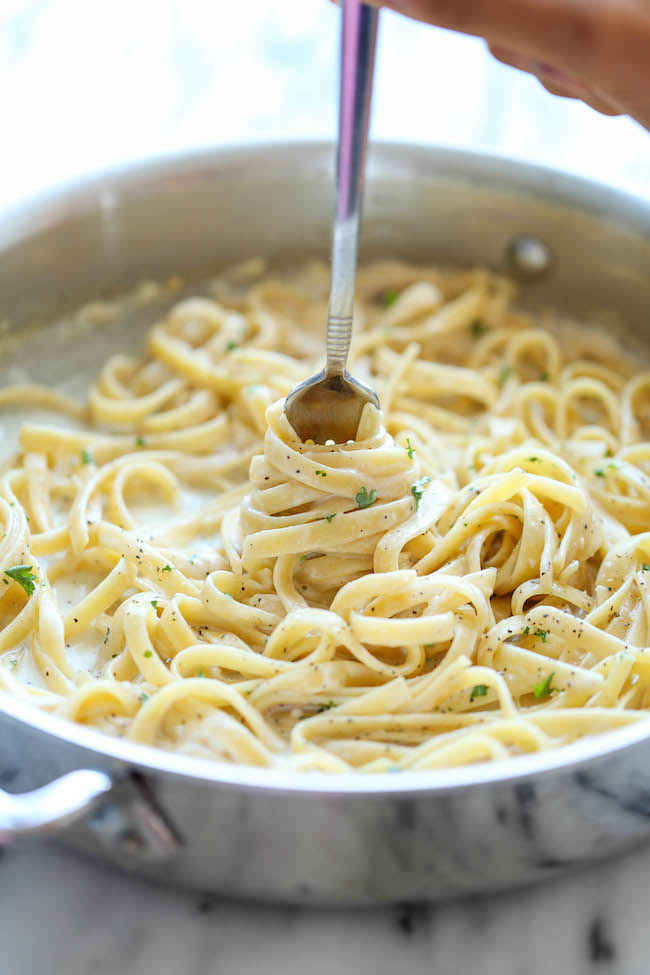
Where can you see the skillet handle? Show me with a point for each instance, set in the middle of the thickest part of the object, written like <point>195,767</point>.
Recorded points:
<point>53,806</point>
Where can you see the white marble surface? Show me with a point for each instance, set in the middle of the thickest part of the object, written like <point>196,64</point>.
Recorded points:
<point>90,84</point>
<point>59,914</point>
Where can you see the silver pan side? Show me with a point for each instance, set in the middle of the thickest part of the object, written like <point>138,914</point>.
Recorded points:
<point>193,213</point>
<point>314,838</point>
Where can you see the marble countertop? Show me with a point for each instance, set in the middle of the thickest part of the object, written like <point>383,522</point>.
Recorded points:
<point>61,915</point>
<point>91,85</point>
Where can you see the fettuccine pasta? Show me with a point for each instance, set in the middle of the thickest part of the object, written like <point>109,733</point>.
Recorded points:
<point>468,580</point>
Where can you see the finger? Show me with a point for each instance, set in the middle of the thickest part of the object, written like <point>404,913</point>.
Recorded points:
<point>560,90</point>
<point>606,44</point>
<point>588,97</point>
<point>554,80</point>
<point>513,59</point>
<point>566,84</point>
<point>564,32</point>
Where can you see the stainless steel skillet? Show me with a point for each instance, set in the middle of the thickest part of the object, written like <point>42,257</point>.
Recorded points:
<point>315,838</point>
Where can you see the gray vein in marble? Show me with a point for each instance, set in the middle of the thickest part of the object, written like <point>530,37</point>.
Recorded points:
<point>80,918</point>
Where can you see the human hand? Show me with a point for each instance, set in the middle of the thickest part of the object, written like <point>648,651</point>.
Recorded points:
<point>595,50</point>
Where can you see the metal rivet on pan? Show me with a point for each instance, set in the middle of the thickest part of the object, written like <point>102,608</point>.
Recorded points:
<point>529,256</point>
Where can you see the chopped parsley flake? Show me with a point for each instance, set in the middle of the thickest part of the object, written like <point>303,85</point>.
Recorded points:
<point>389,297</point>
<point>24,576</point>
<point>148,653</point>
<point>599,472</point>
<point>545,377</point>
<point>86,457</point>
<point>365,498</point>
<point>417,490</point>
<point>231,346</point>
<point>200,673</point>
<point>144,698</point>
<point>542,634</point>
<point>319,708</point>
<point>330,517</point>
<point>535,460</point>
<point>543,689</point>
<point>504,376</point>
<point>526,630</point>
<point>108,630</point>
<point>154,603</point>
<point>166,568</point>
<point>645,567</point>
<point>478,328</point>
<point>321,473</point>
<point>480,690</point>
<point>409,449</point>
<point>140,441</point>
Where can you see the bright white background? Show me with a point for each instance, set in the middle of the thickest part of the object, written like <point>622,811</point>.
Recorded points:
<point>89,83</point>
